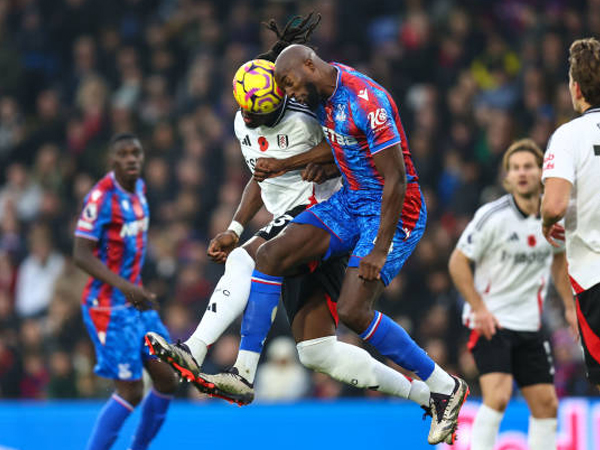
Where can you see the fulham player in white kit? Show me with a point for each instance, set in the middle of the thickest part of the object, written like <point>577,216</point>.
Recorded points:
<point>572,191</point>
<point>504,299</point>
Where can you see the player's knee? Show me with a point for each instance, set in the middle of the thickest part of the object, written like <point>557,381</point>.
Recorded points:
<point>132,394</point>
<point>167,384</point>
<point>353,316</point>
<point>499,401</point>
<point>266,257</point>
<point>316,354</point>
<point>272,259</point>
<point>547,406</point>
<point>239,260</point>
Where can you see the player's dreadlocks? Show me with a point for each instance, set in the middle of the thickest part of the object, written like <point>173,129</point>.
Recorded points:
<point>292,33</point>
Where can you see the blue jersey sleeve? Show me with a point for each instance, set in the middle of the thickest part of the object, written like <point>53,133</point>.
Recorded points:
<point>95,215</point>
<point>374,115</point>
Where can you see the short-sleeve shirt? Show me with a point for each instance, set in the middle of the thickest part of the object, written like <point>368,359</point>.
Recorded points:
<point>573,154</point>
<point>512,263</point>
<point>359,120</point>
<point>118,220</point>
<point>295,131</point>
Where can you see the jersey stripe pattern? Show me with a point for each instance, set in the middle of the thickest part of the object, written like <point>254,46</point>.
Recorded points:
<point>359,120</point>
<point>118,220</point>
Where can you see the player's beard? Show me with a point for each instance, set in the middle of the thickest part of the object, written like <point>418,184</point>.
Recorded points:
<point>312,98</point>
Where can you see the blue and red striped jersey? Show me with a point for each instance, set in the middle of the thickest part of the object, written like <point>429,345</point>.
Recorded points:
<point>118,220</point>
<point>359,120</point>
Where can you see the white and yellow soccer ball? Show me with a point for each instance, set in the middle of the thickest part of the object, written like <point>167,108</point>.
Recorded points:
<point>254,87</point>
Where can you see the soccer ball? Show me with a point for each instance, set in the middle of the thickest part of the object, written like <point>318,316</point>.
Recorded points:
<point>254,87</point>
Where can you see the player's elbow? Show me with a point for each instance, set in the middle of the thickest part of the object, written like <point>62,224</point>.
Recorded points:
<point>457,264</point>
<point>553,209</point>
<point>555,200</point>
<point>396,181</point>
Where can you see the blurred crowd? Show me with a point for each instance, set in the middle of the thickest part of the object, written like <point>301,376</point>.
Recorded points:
<point>468,76</point>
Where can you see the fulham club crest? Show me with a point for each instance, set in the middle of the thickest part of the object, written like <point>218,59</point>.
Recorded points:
<point>282,140</point>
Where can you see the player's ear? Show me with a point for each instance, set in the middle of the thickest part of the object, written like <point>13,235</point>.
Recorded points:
<point>577,87</point>
<point>309,64</point>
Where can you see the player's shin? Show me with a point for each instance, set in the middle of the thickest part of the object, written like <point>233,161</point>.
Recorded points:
<point>109,423</point>
<point>392,341</point>
<point>542,434</point>
<point>352,365</point>
<point>258,316</point>
<point>485,428</point>
<point>225,305</point>
<point>154,412</point>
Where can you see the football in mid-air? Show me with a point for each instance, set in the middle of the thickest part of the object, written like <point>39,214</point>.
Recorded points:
<point>254,87</point>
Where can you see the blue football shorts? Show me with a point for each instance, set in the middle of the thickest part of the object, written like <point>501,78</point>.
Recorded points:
<point>120,350</point>
<point>352,221</point>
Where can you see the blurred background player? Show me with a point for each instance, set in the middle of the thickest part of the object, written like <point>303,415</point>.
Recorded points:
<point>504,296</point>
<point>309,299</point>
<point>572,184</point>
<point>110,245</point>
<point>370,216</point>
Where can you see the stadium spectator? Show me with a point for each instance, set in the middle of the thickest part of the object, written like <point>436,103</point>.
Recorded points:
<point>37,274</point>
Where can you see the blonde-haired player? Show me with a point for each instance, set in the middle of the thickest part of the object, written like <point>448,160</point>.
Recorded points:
<point>504,297</point>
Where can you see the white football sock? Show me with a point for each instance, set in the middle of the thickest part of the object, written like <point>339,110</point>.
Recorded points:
<point>246,364</point>
<point>419,392</point>
<point>226,303</point>
<point>440,381</point>
<point>351,365</point>
<point>542,434</point>
<point>485,428</point>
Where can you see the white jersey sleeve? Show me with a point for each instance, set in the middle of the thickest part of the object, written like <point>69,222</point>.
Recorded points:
<point>295,132</point>
<point>559,160</point>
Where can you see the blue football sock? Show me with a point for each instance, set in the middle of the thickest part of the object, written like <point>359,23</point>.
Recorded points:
<point>109,423</point>
<point>154,411</point>
<point>392,341</point>
<point>256,323</point>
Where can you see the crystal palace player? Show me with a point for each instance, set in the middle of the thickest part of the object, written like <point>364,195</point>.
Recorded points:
<point>110,245</point>
<point>309,299</point>
<point>504,299</point>
<point>378,215</point>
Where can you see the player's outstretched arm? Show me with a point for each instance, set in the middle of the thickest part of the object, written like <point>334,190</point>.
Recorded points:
<point>83,255</point>
<point>224,243</point>
<point>272,167</point>
<point>563,287</point>
<point>461,273</point>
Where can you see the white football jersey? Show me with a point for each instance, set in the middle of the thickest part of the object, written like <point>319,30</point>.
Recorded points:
<point>574,154</point>
<point>512,263</point>
<point>296,131</point>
